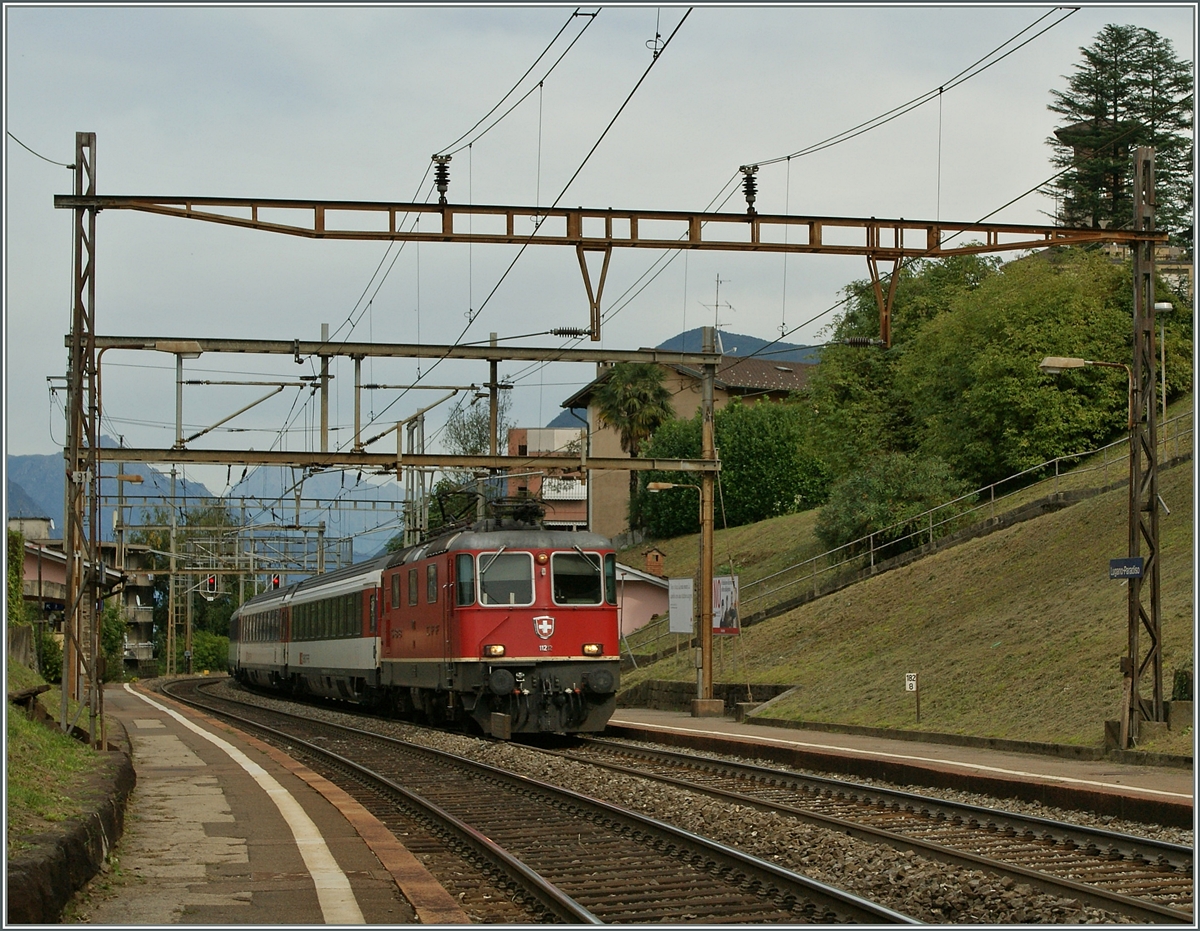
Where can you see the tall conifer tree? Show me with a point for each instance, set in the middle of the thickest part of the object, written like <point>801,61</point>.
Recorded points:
<point>1129,90</point>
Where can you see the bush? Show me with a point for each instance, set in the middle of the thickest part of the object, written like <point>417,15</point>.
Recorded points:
<point>1181,687</point>
<point>209,651</point>
<point>887,494</point>
<point>49,655</point>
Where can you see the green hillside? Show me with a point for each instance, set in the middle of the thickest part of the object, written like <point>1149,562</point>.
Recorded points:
<point>1015,635</point>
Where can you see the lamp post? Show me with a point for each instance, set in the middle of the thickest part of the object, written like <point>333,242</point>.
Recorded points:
<point>1163,307</point>
<point>704,673</point>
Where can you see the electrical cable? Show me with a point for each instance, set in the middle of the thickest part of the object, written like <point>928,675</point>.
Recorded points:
<point>965,75</point>
<point>450,150</point>
<point>476,313</point>
<point>38,154</point>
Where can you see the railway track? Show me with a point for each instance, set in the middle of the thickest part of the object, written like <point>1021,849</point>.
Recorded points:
<point>560,855</point>
<point>1144,879</point>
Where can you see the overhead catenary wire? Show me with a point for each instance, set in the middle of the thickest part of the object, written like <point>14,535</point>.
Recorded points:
<point>971,71</point>
<point>38,154</point>
<point>476,313</point>
<point>451,150</point>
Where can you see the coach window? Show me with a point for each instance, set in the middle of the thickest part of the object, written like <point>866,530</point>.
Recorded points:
<point>505,578</point>
<point>576,578</point>
<point>412,586</point>
<point>431,584</point>
<point>464,585</point>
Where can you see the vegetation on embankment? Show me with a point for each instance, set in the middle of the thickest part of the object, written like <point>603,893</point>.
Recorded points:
<point>1014,635</point>
<point>48,772</point>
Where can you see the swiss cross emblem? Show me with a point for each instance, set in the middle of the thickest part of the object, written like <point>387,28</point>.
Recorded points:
<point>544,625</point>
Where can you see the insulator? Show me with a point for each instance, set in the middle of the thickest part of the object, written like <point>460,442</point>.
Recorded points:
<point>571,331</point>
<point>749,186</point>
<point>860,341</point>
<point>441,176</point>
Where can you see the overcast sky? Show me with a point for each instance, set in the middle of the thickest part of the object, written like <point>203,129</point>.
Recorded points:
<point>350,103</point>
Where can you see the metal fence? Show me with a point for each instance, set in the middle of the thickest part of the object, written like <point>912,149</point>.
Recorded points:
<point>1092,470</point>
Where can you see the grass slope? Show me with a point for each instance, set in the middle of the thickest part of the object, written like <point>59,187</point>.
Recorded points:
<point>1014,635</point>
<point>48,772</point>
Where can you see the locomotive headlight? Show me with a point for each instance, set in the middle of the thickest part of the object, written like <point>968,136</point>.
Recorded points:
<point>593,649</point>
<point>493,649</point>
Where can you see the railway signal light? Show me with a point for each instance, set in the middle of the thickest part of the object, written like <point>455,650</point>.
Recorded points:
<point>275,580</point>
<point>210,584</point>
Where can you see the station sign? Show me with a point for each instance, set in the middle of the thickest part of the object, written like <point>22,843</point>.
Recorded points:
<point>1128,567</point>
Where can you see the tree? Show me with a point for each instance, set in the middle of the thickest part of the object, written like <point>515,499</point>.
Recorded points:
<point>976,396</point>
<point>1130,90</point>
<point>634,401</point>
<point>468,428</point>
<point>765,468</point>
<point>852,406</point>
<point>199,525</point>
<point>16,577</point>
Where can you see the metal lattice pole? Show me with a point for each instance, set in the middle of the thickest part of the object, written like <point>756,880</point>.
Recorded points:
<point>81,499</point>
<point>1142,665</point>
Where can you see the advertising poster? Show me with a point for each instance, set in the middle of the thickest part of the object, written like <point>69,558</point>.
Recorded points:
<point>725,605</point>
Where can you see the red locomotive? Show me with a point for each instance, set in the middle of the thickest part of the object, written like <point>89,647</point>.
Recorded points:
<point>505,624</point>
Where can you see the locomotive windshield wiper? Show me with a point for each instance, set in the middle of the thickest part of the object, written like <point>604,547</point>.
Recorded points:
<point>586,558</point>
<point>495,556</point>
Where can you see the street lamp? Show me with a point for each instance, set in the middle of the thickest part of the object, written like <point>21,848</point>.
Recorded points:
<point>1056,365</point>
<point>704,673</point>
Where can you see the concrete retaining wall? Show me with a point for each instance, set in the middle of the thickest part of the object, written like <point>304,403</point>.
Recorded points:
<point>42,880</point>
<point>677,696</point>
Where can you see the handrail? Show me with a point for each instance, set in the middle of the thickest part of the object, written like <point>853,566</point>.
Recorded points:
<point>927,517</point>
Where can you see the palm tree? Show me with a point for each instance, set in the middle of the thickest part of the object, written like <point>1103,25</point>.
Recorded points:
<point>634,401</point>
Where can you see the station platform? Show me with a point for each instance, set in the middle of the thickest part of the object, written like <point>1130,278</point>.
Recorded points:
<point>1157,794</point>
<point>222,829</point>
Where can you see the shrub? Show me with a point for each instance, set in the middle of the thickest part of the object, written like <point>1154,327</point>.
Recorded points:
<point>885,497</point>
<point>49,655</point>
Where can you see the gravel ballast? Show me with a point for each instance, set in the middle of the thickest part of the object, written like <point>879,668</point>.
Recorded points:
<point>925,889</point>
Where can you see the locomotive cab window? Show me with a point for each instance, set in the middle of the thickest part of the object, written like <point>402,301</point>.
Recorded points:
<point>577,578</point>
<point>464,582</point>
<point>431,583</point>
<point>505,578</point>
<point>396,591</point>
<point>412,586</point>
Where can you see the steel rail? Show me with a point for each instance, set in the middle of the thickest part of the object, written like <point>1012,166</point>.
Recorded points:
<point>550,896</point>
<point>837,901</point>
<point>1127,846</point>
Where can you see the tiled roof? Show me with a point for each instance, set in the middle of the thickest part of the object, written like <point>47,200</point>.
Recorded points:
<point>737,374</point>
<point>763,374</point>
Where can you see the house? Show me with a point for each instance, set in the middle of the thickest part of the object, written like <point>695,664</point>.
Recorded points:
<point>744,377</point>
<point>640,597</point>
<point>44,584</point>
<point>565,497</point>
